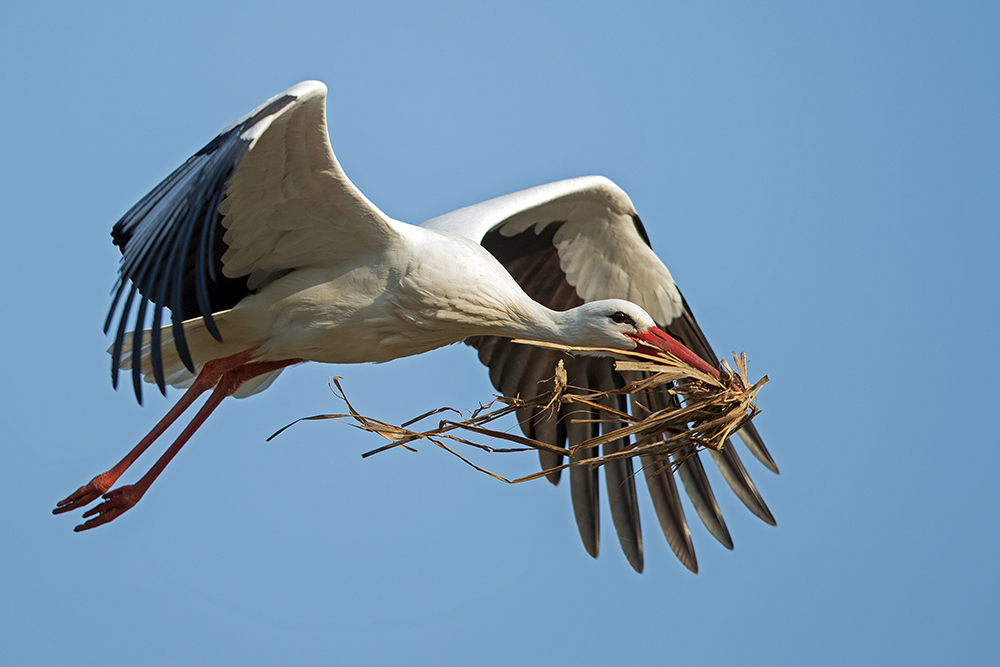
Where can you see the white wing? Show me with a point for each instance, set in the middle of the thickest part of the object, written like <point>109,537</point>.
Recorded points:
<point>264,197</point>
<point>289,203</point>
<point>602,247</point>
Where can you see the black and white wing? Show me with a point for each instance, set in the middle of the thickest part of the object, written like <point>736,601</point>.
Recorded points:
<point>575,241</point>
<point>265,197</point>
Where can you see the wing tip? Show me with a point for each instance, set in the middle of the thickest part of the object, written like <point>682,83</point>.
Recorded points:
<point>751,438</point>
<point>308,88</point>
<point>637,564</point>
<point>769,518</point>
<point>301,91</point>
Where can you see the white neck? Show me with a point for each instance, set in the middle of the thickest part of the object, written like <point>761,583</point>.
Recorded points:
<point>545,325</point>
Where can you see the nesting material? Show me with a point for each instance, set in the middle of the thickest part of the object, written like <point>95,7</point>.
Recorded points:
<point>710,411</point>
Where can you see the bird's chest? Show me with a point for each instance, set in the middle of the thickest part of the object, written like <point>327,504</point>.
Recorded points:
<point>355,315</point>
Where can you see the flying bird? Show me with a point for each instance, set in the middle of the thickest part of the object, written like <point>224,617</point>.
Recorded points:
<point>266,255</point>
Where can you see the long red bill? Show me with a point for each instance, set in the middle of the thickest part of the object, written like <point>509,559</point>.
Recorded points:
<point>656,340</point>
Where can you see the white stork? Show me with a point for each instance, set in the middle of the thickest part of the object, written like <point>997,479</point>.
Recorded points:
<point>266,255</point>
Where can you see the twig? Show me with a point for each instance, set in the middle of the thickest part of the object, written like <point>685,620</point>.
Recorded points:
<point>710,411</point>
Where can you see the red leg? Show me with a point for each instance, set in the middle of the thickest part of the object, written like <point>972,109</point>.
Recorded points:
<point>120,500</point>
<point>209,376</point>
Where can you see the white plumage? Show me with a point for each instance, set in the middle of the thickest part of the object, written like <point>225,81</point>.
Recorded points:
<point>266,255</point>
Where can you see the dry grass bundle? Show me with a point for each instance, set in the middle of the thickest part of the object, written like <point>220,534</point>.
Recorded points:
<point>709,411</point>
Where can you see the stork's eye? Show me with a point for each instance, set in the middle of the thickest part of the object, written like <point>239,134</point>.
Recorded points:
<point>622,318</point>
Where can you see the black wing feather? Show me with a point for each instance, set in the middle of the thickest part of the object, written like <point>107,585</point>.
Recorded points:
<point>172,247</point>
<point>699,492</point>
<point>620,475</point>
<point>692,473</point>
<point>519,370</point>
<point>661,483</point>
<point>685,329</point>
<point>583,480</point>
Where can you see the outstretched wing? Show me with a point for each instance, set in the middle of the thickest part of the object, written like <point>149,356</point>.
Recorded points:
<point>265,197</point>
<point>575,241</point>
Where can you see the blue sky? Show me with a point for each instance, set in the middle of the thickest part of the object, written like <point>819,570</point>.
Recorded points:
<point>822,180</point>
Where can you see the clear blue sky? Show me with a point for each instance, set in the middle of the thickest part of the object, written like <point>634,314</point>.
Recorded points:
<point>824,183</point>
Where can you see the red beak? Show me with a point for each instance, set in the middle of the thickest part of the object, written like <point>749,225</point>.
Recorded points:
<point>656,340</point>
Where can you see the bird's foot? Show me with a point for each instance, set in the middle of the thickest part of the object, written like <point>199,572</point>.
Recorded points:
<point>116,503</point>
<point>87,493</point>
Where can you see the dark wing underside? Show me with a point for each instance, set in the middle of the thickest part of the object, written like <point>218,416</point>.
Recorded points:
<point>524,370</point>
<point>172,246</point>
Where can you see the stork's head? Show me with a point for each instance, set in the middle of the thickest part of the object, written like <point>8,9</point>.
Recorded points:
<point>622,325</point>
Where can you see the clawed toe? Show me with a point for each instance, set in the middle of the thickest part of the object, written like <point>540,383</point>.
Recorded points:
<point>116,503</point>
<point>86,494</point>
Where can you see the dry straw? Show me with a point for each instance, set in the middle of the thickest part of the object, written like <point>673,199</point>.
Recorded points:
<point>707,412</point>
